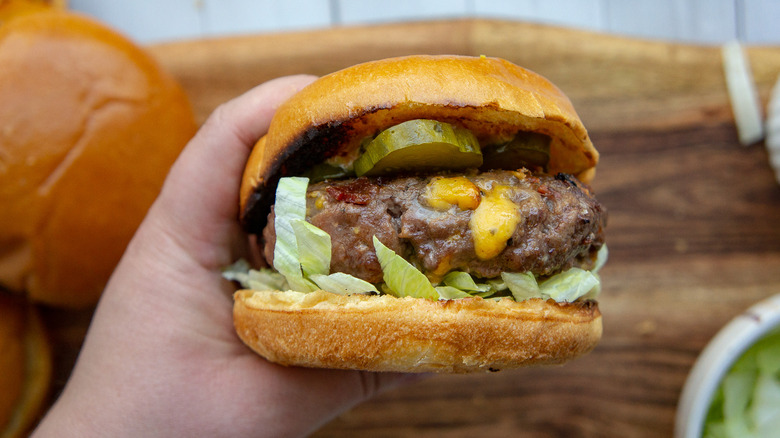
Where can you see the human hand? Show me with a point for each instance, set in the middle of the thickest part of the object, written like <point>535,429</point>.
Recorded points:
<point>161,357</point>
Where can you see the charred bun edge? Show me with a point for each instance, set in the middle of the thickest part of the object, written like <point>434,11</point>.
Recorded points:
<point>315,145</point>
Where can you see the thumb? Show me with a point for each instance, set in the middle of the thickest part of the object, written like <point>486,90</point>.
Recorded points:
<point>199,201</point>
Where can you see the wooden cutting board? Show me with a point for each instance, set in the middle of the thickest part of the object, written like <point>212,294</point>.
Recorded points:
<point>694,225</point>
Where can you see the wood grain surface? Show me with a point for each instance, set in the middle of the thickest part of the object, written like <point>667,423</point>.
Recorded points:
<point>693,232</point>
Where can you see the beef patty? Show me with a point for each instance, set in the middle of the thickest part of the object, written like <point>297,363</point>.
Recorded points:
<point>559,224</point>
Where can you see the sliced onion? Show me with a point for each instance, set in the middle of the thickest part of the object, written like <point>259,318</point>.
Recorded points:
<point>773,129</point>
<point>743,95</point>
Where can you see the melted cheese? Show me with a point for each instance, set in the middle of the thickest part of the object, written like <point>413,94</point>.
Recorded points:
<point>442,193</point>
<point>493,223</point>
<point>319,199</point>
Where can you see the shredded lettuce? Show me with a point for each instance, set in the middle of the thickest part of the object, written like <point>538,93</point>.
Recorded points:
<point>497,284</point>
<point>402,279</point>
<point>255,279</point>
<point>343,284</point>
<point>569,285</point>
<point>451,293</point>
<point>464,281</point>
<point>522,285</point>
<point>313,248</point>
<point>601,258</point>
<point>766,397</point>
<point>290,206</point>
<point>746,403</point>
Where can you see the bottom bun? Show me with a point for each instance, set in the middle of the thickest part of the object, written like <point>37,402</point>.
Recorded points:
<point>385,333</point>
<point>25,366</point>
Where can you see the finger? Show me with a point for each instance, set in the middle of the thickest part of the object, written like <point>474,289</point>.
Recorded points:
<point>310,397</point>
<point>200,197</point>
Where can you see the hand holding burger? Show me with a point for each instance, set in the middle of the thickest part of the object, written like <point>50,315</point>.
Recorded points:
<point>425,213</point>
<point>161,357</point>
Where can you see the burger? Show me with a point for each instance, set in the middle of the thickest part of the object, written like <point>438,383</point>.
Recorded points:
<point>422,214</point>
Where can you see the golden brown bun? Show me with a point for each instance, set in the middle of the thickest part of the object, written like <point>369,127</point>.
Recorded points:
<point>385,333</point>
<point>10,9</point>
<point>492,97</point>
<point>89,126</point>
<point>25,366</point>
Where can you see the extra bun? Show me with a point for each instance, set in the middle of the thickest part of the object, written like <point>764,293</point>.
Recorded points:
<point>492,97</point>
<point>25,366</point>
<point>89,126</point>
<point>385,333</point>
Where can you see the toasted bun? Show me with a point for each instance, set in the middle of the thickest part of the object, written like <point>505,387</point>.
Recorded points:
<point>89,126</point>
<point>385,333</point>
<point>10,9</point>
<point>25,366</point>
<point>492,97</point>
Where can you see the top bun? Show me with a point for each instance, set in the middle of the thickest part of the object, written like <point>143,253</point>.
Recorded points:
<point>490,96</point>
<point>89,127</point>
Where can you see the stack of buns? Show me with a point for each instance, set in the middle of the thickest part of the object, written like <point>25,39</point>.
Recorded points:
<point>89,127</point>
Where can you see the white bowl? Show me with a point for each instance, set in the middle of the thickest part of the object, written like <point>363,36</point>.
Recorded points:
<point>716,359</point>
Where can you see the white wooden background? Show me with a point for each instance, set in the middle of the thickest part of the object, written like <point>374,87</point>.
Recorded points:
<point>710,22</point>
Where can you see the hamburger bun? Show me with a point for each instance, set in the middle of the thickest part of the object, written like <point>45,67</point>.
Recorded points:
<point>10,9</point>
<point>495,100</point>
<point>385,333</point>
<point>25,366</point>
<point>89,126</point>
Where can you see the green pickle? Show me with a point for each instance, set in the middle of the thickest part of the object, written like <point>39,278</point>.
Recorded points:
<point>527,149</point>
<point>419,145</point>
<point>323,171</point>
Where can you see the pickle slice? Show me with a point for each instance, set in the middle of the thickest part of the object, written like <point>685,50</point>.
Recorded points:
<point>323,171</point>
<point>419,145</point>
<point>527,149</point>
